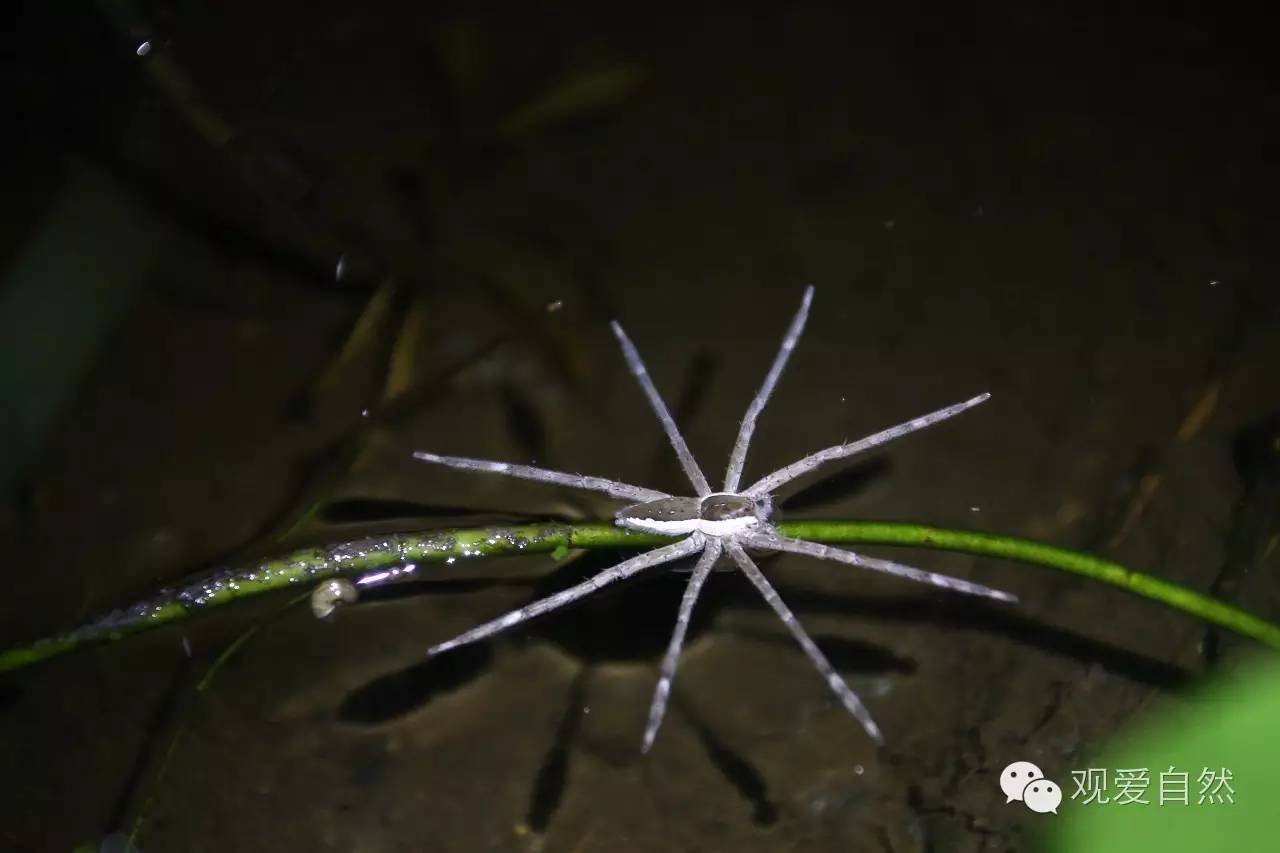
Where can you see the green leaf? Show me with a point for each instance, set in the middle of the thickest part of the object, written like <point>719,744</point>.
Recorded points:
<point>1227,725</point>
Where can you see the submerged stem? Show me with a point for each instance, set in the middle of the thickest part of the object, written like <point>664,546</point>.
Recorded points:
<point>403,553</point>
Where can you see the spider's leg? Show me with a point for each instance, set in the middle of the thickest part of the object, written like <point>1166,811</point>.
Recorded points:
<point>770,484</point>
<point>739,455</point>
<point>625,491</point>
<point>658,707</point>
<point>777,541</point>
<point>641,374</point>
<point>837,684</point>
<point>625,569</point>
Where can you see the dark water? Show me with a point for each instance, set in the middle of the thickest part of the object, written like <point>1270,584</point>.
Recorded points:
<point>1069,211</point>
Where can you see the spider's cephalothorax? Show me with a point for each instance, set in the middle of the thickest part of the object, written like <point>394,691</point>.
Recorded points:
<point>714,523</point>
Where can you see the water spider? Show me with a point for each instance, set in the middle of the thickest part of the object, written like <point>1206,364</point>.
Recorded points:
<point>716,523</point>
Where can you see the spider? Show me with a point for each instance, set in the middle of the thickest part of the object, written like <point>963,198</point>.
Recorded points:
<point>715,523</point>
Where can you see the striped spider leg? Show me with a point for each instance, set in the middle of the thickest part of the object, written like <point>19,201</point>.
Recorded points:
<point>715,524</point>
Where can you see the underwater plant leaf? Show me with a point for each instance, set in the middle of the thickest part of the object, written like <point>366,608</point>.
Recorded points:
<point>587,91</point>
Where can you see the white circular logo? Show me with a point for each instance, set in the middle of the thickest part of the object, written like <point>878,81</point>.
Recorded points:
<point>1025,782</point>
<point>1014,778</point>
<point>1042,796</point>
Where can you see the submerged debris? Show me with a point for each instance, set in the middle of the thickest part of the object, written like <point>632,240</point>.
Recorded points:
<point>326,597</point>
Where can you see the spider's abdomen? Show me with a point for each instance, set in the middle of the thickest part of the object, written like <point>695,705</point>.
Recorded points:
<point>668,515</point>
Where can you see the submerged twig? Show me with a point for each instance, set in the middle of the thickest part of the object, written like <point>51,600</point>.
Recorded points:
<point>401,554</point>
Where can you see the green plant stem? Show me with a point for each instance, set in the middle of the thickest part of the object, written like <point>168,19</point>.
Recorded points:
<point>397,552</point>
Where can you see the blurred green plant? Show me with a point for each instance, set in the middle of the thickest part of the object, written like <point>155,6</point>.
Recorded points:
<point>1226,728</point>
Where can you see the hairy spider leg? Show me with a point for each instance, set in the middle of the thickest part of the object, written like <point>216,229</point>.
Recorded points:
<point>638,370</point>
<point>658,707</point>
<point>625,569</point>
<point>771,483</point>
<point>774,540</point>
<point>624,491</point>
<point>738,457</point>
<point>837,684</point>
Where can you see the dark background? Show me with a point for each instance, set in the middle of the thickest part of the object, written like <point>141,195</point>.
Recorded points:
<point>1071,209</point>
